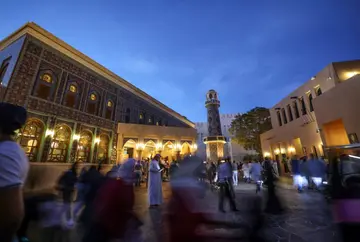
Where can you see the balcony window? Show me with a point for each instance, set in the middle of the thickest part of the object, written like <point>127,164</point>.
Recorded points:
<point>291,118</point>
<point>279,118</point>
<point>284,115</point>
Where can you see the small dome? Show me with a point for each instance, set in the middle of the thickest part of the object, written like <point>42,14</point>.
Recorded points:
<point>211,94</point>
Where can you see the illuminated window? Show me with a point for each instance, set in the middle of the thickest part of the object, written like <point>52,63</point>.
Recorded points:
<point>46,78</point>
<point>109,104</point>
<point>93,104</point>
<point>93,97</point>
<point>109,109</point>
<point>142,118</point>
<point>45,85</point>
<point>318,91</point>
<point>71,97</point>
<point>72,88</point>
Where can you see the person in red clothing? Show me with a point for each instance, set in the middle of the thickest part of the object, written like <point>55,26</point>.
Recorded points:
<point>113,207</point>
<point>186,212</point>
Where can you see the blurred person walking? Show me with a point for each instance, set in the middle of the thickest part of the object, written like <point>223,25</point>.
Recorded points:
<point>66,186</point>
<point>226,192</point>
<point>246,170</point>
<point>138,173</point>
<point>81,190</point>
<point>298,179</point>
<point>235,176</point>
<point>113,215</point>
<point>14,167</point>
<point>255,173</point>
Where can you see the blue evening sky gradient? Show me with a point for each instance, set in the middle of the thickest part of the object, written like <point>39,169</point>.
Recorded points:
<point>253,52</point>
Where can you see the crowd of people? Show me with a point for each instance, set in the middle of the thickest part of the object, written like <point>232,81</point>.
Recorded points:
<point>104,205</point>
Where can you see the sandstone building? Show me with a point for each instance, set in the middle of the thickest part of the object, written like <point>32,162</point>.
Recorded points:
<point>322,112</point>
<point>79,110</point>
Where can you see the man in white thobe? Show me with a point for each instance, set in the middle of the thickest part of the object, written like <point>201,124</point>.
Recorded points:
<point>155,183</point>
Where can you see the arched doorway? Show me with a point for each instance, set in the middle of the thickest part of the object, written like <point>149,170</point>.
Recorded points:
<point>129,149</point>
<point>60,143</point>
<point>84,146</point>
<point>168,151</point>
<point>149,150</point>
<point>30,136</point>
<point>185,149</point>
<point>103,150</point>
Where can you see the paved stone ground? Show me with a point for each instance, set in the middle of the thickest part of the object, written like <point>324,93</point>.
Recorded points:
<point>307,216</point>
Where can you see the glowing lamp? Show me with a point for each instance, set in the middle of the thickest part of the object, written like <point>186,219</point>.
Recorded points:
<point>49,132</point>
<point>76,137</point>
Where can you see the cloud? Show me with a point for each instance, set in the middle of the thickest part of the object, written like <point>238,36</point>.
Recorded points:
<point>139,65</point>
<point>224,75</point>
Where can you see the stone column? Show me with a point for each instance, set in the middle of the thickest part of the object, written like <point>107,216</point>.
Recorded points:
<point>139,154</point>
<point>95,147</point>
<point>75,142</point>
<point>48,139</point>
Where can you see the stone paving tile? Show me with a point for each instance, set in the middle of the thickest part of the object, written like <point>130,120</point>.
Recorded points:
<point>307,216</point>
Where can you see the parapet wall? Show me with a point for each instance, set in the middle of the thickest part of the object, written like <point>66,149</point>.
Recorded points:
<point>44,176</point>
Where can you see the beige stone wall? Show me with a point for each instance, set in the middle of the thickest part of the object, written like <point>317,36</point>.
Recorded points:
<point>44,176</point>
<point>341,103</point>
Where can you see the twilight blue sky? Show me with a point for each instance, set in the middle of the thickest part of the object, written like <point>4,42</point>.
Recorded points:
<point>253,52</point>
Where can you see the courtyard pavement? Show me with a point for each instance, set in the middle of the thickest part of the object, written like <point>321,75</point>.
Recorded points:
<point>307,216</point>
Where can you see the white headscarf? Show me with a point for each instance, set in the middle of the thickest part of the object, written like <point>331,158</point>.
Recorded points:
<point>126,171</point>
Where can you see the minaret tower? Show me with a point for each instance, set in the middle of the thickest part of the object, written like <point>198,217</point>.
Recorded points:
<point>215,140</point>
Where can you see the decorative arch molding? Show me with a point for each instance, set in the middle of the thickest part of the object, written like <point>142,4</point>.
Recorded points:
<point>169,141</point>
<point>152,140</point>
<point>62,122</point>
<point>87,128</point>
<point>125,140</point>
<point>186,141</point>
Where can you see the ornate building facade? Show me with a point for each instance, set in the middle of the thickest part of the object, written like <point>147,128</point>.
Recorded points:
<point>79,110</point>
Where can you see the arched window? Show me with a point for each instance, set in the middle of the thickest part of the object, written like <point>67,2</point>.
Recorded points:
<point>60,144</point>
<point>103,147</point>
<point>127,115</point>
<point>3,68</point>
<point>93,103</point>
<point>71,98</point>
<point>318,91</point>
<point>303,106</point>
<point>45,85</point>
<point>284,115</point>
<point>291,118</point>
<point>84,146</point>
<point>109,109</point>
<point>279,118</point>
<point>296,109</point>
<point>151,120</point>
<point>311,102</point>
<point>30,137</point>
<point>142,118</point>
<point>159,122</point>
